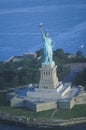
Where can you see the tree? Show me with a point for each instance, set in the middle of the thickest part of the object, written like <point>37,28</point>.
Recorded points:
<point>39,53</point>
<point>80,79</point>
<point>79,54</point>
<point>62,72</point>
<point>1,83</point>
<point>59,53</point>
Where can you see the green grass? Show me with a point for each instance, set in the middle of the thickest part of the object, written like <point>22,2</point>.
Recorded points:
<point>25,112</point>
<point>77,111</point>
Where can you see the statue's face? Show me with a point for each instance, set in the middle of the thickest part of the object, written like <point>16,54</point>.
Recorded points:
<point>47,34</point>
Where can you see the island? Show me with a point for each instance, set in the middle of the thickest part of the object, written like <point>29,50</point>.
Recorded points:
<point>36,90</point>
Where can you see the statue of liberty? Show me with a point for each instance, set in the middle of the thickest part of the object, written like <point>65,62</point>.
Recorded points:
<point>47,47</point>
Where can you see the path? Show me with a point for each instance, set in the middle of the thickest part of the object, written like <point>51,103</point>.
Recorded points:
<point>52,115</point>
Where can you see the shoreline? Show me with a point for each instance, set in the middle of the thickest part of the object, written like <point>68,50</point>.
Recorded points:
<point>20,120</point>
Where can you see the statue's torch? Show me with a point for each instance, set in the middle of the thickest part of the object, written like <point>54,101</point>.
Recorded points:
<point>41,27</point>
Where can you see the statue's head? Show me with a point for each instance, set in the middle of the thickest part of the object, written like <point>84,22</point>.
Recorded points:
<point>47,34</point>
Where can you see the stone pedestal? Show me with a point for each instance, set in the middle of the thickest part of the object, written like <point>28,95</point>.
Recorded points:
<point>48,78</point>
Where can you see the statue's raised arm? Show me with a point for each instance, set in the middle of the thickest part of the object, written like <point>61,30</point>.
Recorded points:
<point>47,47</point>
<point>41,27</point>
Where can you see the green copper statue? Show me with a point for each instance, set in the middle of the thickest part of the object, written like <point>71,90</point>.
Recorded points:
<point>47,47</point>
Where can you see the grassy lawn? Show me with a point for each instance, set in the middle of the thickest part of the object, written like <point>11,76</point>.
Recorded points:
<point>77,111</point>
<point>26,112</point>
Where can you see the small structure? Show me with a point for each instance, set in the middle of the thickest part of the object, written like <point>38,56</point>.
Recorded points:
<point>27,55</point>
<point>20,58</point>
<point>14,59</point>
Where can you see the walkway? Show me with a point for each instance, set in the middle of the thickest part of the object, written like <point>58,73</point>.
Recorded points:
<point>52,115</point>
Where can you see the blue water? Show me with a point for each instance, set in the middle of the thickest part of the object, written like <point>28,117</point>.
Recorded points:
<point>65,20</point>
<point>17,127</point>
